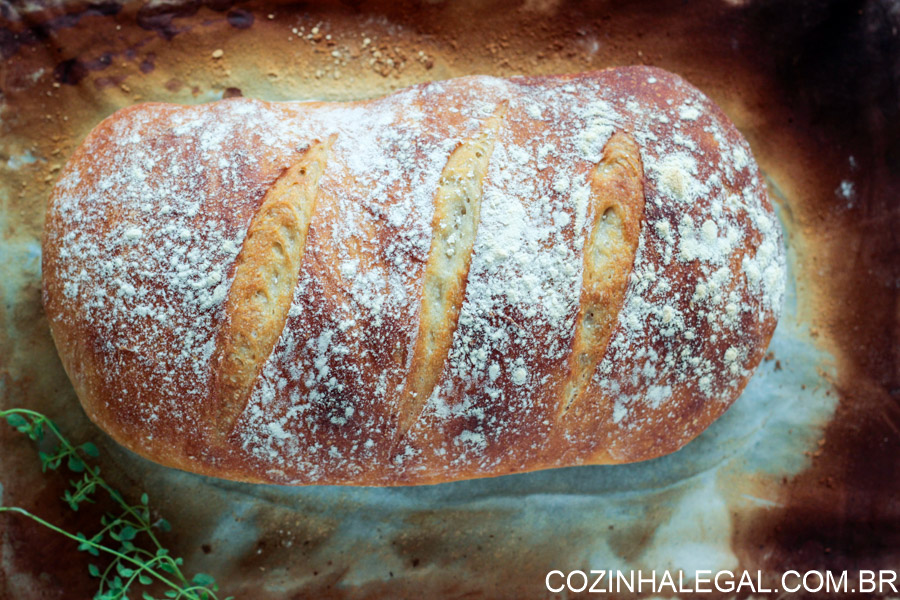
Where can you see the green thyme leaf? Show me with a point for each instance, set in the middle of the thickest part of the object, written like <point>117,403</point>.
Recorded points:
<point>16,420</point>
<point>133,560</point>
<point>90,449</point>
<point>75,464</point>
<point>203,579</point>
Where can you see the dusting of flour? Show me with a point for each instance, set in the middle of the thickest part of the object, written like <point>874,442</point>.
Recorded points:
<point>148,232</point>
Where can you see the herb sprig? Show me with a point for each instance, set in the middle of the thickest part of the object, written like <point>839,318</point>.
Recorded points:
<point>122,536</point>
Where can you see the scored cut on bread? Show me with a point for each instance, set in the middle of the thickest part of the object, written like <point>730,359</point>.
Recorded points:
<point>466,278</point>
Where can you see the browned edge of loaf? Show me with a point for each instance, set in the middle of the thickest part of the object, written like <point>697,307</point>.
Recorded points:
<point>78,352</point>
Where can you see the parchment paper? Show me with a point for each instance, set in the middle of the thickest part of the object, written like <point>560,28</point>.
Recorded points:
<point>800,473</point>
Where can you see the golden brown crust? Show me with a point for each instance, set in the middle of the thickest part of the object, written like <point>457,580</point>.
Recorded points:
<point>265,273</point>
<point>150,264</point>
<point>457,208</point>
<point>617,208</point>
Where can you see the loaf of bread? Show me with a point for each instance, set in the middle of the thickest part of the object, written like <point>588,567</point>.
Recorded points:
<point>463,279</point>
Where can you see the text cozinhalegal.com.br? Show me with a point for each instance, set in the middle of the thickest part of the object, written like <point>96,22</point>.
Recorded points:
<point>708,581</point>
